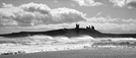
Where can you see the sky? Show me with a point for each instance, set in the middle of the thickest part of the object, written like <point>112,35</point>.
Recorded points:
<point>109,16</point>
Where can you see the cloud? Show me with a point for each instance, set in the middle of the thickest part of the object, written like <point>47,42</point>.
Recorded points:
<point>87,2</point>
<point>74,15</point>
<point>33,7</point>
<point>7,5</point>
<point>128,1</point>
<point>32,14</point>
<point>116,3</point>
<point>111,24</point>
<point>111,20</point>
<point>41,16</point>
<point>8,22</point>
<point>132,4</point>
<point>73,5</point>
<point>122,3</point>
<point>55,1</point>
<point>98,13</point>
<point>107,26</point>
<point>119,3</point>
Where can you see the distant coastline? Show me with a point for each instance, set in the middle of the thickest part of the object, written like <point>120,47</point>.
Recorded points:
<point>73,32</point>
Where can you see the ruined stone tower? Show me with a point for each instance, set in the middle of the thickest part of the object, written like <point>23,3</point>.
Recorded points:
<point>77,28</point>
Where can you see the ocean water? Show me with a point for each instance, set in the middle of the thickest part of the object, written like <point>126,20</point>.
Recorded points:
<point>41,40</point>
<point>42,43</point>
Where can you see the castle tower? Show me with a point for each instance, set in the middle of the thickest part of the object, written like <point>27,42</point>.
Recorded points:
<point>93,28</point>
<point>88,27</point>
<point>77,28</point>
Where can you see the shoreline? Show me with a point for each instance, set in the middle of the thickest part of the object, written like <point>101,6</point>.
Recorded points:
<point>40,48</point>
<point>80,53</point>
<point>49,48</point>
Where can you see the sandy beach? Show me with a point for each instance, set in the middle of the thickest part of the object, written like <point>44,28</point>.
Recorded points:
<point>81,53</point>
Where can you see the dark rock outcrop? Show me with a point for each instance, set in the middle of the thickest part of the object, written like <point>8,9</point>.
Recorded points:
<point>74,32</point>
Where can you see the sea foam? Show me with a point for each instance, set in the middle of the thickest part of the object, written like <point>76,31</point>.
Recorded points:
<point>42,43</point>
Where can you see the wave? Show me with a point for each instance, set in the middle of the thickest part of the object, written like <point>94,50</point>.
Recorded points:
<point>42,43</point>
<point>47,40</point>
<point>42,39</point>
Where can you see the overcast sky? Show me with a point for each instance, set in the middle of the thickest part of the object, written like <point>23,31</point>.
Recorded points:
<point>106,15</point>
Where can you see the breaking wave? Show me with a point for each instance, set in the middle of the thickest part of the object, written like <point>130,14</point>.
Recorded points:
<point>41,39</point>
<point>42,43</point>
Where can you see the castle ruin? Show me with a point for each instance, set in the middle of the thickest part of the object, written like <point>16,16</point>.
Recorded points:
<point>87,27</point>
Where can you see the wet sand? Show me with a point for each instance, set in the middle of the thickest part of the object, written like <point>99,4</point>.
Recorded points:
<point>82,53</point>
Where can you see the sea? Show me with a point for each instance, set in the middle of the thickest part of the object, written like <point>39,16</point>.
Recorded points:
<point>43,43</point>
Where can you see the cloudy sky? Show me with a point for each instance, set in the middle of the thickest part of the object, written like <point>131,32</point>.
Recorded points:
<point>112,16</point>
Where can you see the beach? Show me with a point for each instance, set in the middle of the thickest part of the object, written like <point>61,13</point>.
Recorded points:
<point>81,53</point>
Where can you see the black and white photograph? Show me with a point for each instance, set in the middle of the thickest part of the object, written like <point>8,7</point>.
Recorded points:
<point>67,28</point>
